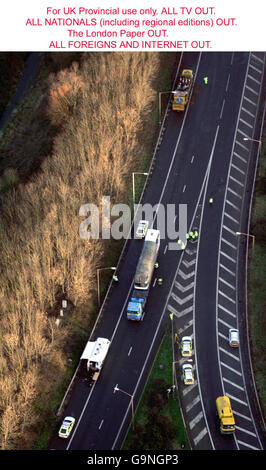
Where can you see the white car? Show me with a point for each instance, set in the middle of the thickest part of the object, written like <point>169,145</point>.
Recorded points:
<point>233,337</point>
<point>142,228</point>
<point>188,375</point>
<point>186,346</point>
<point>66,426</point>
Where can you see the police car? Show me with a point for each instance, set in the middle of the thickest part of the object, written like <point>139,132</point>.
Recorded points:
<point>66,426</point>
<point>142,228</point>
<point>188,375</point>
<point>186,346</point>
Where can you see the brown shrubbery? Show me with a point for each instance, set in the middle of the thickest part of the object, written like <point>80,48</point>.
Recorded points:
<point>98,107</point>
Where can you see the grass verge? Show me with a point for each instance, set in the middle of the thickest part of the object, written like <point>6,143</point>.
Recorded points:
<point>158,421</point>
<point>256,287</point>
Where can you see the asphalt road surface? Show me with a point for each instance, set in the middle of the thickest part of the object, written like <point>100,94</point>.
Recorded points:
<point>193,161</point>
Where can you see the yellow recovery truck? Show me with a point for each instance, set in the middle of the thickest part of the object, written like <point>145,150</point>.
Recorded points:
<point>225,414</point>
<point>181,94</point>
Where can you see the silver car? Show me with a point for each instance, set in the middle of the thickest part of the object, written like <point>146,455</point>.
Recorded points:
<point>233,337</point>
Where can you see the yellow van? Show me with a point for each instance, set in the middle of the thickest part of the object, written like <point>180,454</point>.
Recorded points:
<point>225,414</point>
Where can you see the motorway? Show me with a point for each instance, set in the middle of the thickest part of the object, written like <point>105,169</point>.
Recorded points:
<point>201,154</point>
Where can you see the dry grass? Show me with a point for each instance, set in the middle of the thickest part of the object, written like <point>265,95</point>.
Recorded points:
<point>99,107</point>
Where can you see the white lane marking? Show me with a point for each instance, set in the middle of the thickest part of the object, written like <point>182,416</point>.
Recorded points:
<point>234,193</point>
<point>242,416</point>
<point>242,145</point>
<point>227,311</point>
<point>236,181</point>
<point>255,68</point>
<point>233,384</point>
<point>195,420</point>
<point>227,283</point>
<point>252,78</point>
<point>251,89</point>
<point>221,113</point>
<point>226,296</point>
<point>129,352</point>
<point>238,169</point>
<point>247,445</point>
<point>101,424</point>
<point>230,217</point>
<point>228,270</point>
<point>240,157</point>
<point>246,123</point>
<point>250,101</point>
<point>228,257</point>
<point>229,354</point>
<point>232,370</point>
<point>200,436</point>
<point>227,83</point>
<point>228,243</point>
<point>193,403</point>
<point>225,324</point>
<point>232,205</point>
<point>246,430</point>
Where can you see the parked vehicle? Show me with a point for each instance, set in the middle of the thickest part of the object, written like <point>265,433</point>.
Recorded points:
<point>186,346</point>
<point>188,375</point>
<point>233,337</point>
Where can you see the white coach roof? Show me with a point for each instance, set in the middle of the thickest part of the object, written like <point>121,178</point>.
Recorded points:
<point>96,350</point>
<point>152,235</point>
